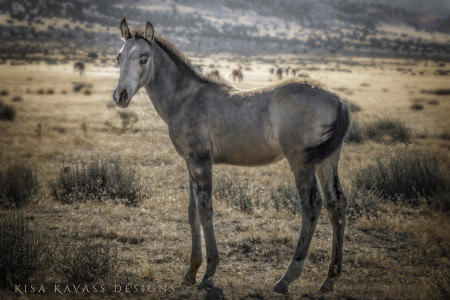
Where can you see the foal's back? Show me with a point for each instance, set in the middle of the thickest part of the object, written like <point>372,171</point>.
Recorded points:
<point>251,127</point>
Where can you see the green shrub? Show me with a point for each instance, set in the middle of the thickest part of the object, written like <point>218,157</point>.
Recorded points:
<point>97,180</point>
<point>403,174</point>
<point>396,130</point>
<point>87,261</point>
<point>7,112</point>
<point>23,252</point>
<point>285,197</point>
<point>234,192</point>
<point>18,183</point>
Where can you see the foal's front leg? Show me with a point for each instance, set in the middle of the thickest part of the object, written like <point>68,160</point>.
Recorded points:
<point>196,251</point>
<point>200,170</point>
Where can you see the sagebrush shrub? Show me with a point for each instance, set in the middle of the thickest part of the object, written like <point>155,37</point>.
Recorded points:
<point>285,197</point>
<point>417,106</point>
<point>87,261</point>
<point>18,183</point>
<point>97,180</point>
<point>7,112</point>
<point>353,107</point>
<point>439,284</point>
<point>355,133</point>
<point>129,118</point>
<point>395,129</point>
<point>403,174</point>
<point>364,203</point>
<point>23,252</point>
<point>235,193</point>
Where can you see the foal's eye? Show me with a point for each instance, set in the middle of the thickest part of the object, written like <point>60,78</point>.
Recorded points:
<point>143,61</point>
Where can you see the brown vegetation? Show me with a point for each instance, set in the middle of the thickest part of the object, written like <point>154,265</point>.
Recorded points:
<point>397,240</point>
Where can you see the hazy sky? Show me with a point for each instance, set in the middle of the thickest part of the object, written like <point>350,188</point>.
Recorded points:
<point>429,6</point>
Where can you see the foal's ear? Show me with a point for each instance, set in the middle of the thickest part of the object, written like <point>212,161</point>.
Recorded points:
<point>124,29</point>
<point>149,32</point>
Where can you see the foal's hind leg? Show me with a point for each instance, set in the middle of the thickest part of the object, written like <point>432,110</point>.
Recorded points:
<point>336,209</point>
<point>311,204</point>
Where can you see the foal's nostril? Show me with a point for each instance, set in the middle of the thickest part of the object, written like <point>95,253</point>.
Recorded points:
<point>123,95</point>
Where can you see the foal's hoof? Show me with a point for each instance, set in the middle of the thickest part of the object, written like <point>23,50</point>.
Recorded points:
<point>188,281</point>
<point>327,286</point>
<point>206,284</point>
<point>281,287</point>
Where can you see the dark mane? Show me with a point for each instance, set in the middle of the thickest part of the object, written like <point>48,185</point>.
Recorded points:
<point>178,57</point>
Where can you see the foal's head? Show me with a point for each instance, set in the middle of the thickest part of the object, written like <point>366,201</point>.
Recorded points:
<point>136,63</point>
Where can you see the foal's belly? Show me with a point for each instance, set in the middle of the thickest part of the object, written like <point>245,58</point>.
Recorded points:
<point>245,152</point>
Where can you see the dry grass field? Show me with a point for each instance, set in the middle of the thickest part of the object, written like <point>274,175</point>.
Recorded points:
<point>400,251</point>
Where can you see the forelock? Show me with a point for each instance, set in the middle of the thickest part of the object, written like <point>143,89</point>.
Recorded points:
<point>137,32</point>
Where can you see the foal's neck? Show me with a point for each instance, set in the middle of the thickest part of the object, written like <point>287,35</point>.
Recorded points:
<point>170,86</point>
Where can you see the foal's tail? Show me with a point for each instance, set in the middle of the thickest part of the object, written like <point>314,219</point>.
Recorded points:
<point>336,134</point>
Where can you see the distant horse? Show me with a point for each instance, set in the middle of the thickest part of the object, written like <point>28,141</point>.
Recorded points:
<point>237,74</point>
<point>280,73</point>
<point>198,69</point>
<point>211,122</point>
<point>214,74</point>
<point>79,66</point>
<point>287,70</point>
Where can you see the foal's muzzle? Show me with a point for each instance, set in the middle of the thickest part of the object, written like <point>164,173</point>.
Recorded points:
<point>121,98</point>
